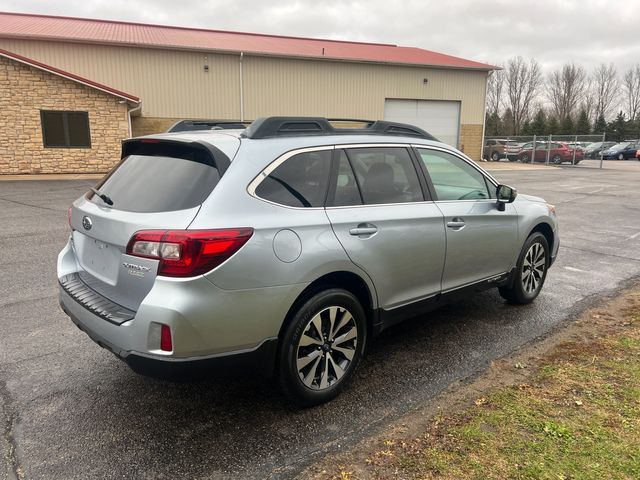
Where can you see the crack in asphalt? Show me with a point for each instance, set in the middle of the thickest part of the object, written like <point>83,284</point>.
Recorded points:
<point>30,205</point>
<point>9,420</point>
<point>604,254</point>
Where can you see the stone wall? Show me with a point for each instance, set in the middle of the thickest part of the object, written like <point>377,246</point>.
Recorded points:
<point>471,140</point>
<point>24,91</point>
<point>148,125</point>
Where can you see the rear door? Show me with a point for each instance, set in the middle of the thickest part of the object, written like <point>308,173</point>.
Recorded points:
<point>481,240</point>
<point>378,210</point>
<point>157,186</point>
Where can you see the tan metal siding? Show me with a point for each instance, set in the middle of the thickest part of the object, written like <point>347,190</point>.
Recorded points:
<point>173,83</point>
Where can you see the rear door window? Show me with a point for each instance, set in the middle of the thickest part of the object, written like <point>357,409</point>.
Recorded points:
<point>385,175</point>
<point>300,181</point>
<point>162,180</point>
<point>345,189</point>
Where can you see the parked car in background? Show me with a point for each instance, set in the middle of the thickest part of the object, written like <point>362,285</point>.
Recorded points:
<point>593,149</point>
<point>638,154</point>
<point>285,248</point>
<point>622,150</point>
<point>495,149</point>
<point>557,152</point>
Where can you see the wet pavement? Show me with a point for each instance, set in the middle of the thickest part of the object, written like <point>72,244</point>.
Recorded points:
<point>71,410</point>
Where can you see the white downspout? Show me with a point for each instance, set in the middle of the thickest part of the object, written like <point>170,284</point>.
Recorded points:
<point>241,89</point>
<point>129,112</point>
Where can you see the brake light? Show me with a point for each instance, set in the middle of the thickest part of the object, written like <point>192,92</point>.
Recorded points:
<point>185,253</point>
<point>69,217</point>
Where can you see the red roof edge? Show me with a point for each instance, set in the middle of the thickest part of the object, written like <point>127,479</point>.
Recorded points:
<point>69,76</point>
<point>197,29</point>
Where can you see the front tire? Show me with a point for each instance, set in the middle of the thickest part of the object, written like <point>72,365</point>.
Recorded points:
<point>321,347</point>
<point>495,156</point>
<point>531,271</point>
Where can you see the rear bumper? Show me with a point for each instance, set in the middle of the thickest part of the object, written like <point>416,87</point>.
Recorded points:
<point>210,327</point>
<point>260,359</point>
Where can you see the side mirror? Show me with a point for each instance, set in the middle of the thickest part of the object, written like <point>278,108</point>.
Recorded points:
<point>505,194</point>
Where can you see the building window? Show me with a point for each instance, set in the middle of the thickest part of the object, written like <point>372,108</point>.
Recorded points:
<point>65,129</point>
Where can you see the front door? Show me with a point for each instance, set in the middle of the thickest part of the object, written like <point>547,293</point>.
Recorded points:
<point>480,238</point>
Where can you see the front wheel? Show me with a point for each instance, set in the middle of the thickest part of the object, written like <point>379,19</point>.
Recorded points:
<point>321,347</point>
<point>530,273</point>
<point>621,157</point>
<point>495,156</point>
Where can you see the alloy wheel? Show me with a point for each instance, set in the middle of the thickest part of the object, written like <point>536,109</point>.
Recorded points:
<point>326,348</point>
<point>533,268</point>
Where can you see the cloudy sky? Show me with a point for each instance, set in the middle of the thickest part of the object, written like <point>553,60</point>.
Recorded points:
<point>587,32</point>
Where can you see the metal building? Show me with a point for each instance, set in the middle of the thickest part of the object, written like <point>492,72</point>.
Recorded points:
<point>179,73</point>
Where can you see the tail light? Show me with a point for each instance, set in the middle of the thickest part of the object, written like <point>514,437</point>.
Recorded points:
<point>185,253</point>
<point>69,212</point>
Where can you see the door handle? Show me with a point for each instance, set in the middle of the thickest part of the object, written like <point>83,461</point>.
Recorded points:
<point>363,229</point>
<point>456,223</point>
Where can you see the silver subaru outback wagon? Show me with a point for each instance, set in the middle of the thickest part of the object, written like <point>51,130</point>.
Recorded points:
<point>285,248</point>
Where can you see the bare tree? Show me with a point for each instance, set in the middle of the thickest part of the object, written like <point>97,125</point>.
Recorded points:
<point>565,90</point>
<point>523,80</point>
<point>631,88</point>
<point>495,87</point>
<point>603,91</point>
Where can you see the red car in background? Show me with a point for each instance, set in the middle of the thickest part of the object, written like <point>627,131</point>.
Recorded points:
<point>556,152</point>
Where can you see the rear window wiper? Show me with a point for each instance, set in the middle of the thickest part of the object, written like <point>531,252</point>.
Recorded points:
<point>102,196</point>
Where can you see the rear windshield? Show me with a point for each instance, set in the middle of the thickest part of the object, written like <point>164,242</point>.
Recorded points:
<point>159,183</point>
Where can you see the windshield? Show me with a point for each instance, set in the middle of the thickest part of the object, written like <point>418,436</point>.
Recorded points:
<point>621,146</point>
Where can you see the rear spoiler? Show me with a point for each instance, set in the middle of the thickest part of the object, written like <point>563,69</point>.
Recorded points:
<point>175,148</point>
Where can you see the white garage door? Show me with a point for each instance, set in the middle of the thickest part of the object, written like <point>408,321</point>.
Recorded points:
<point>440,118</point>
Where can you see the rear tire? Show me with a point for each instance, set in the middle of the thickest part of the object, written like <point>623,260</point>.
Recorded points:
<point>524,158</point>
<point>321,347</point>
<point>495,156</point>
<point>530,273</point>
<point>557,159</point>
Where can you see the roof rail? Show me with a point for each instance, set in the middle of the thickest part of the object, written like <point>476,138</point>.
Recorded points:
<point>272,127</point>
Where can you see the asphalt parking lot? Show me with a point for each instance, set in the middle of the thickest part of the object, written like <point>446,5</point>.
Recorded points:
<point>71,410</point>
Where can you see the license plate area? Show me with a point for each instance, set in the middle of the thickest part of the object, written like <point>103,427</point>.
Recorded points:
<point>100,259</point>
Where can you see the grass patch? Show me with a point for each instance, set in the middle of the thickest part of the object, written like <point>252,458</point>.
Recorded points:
<point>578,417</point>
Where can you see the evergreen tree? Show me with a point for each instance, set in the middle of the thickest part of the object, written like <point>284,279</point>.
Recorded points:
<point>583,127</point>
<point>617,130</point>
<point>526,128</point>
<point>508,123</point>
<point>539,124</point>
<point>567,127</point>
<point>553,126</point>
<point>494,125</point>
<point>601,125</point>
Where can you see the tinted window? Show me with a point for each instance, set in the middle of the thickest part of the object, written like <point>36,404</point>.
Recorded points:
<point>301,181</point>
<point>65,129</point>
<point>385,175</point>
<point>453,178</point>
<point>346,188</point>
<point>144,183</point>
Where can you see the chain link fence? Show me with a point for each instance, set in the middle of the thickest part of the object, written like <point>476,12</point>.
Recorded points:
<point>547,149</point>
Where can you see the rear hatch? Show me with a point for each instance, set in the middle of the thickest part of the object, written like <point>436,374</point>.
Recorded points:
<point>158,185</point>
